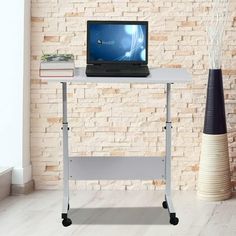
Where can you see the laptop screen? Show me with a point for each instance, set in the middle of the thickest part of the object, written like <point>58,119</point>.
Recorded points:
<point>117,42</point>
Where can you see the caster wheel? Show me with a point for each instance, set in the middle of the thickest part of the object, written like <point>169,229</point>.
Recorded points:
<point>66,222</point>
<point>174,220</point>
<point>164,204</point>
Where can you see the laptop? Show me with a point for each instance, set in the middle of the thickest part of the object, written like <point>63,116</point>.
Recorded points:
<point>117,48</point>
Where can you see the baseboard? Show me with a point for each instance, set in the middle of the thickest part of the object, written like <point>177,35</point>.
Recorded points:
<point>19,189</point>
<point>5,182</point>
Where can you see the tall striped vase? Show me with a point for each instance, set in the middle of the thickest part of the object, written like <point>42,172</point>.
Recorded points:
<point>214,182</point>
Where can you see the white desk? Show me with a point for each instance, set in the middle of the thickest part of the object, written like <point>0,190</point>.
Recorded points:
<point>157,76</point>
<point>88,168</point>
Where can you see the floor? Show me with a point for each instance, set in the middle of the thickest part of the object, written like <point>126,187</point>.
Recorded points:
<point>116,213</point>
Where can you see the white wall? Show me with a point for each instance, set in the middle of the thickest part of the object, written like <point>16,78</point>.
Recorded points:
<point>15,82</point>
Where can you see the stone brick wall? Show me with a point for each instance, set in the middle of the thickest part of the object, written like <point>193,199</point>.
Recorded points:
<point>127,119</point>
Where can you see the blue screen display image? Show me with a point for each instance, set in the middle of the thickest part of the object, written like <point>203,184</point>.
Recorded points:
<point>117,42</point>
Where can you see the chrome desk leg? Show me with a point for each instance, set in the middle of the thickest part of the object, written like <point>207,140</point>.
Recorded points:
<point>168,200</point>
<point>65,207</point>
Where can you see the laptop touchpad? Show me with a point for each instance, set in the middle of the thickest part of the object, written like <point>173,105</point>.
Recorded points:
<point>112,70</point>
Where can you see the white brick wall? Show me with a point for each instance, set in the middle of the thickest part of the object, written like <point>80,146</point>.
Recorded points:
<point>127,119</point>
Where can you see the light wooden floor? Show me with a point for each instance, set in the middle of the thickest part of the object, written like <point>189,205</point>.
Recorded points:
<point>111,213</point>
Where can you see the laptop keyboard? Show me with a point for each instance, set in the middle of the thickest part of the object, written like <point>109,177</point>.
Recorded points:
<point>116,69</point>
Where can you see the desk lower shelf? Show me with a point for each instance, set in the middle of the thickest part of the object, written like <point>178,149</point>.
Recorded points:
<point>116,168</point>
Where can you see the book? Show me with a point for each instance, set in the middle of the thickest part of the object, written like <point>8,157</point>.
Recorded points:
<point>56,73</point>
<point>57,61</point>
<point>57,65</point>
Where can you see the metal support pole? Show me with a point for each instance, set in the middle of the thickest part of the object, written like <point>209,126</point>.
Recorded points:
<point>65,151</point>
<point>168,151</point>
<point>168,141</point>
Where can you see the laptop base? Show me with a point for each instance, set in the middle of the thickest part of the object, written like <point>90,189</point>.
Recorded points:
<point>109,70</point>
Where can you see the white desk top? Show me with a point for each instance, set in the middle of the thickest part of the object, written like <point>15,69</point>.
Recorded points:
<point>157,76</point>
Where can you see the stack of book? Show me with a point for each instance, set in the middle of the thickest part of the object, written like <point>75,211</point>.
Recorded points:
<point>57,65</point>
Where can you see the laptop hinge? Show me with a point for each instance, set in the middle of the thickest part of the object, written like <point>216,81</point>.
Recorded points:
<point>137,64</point>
